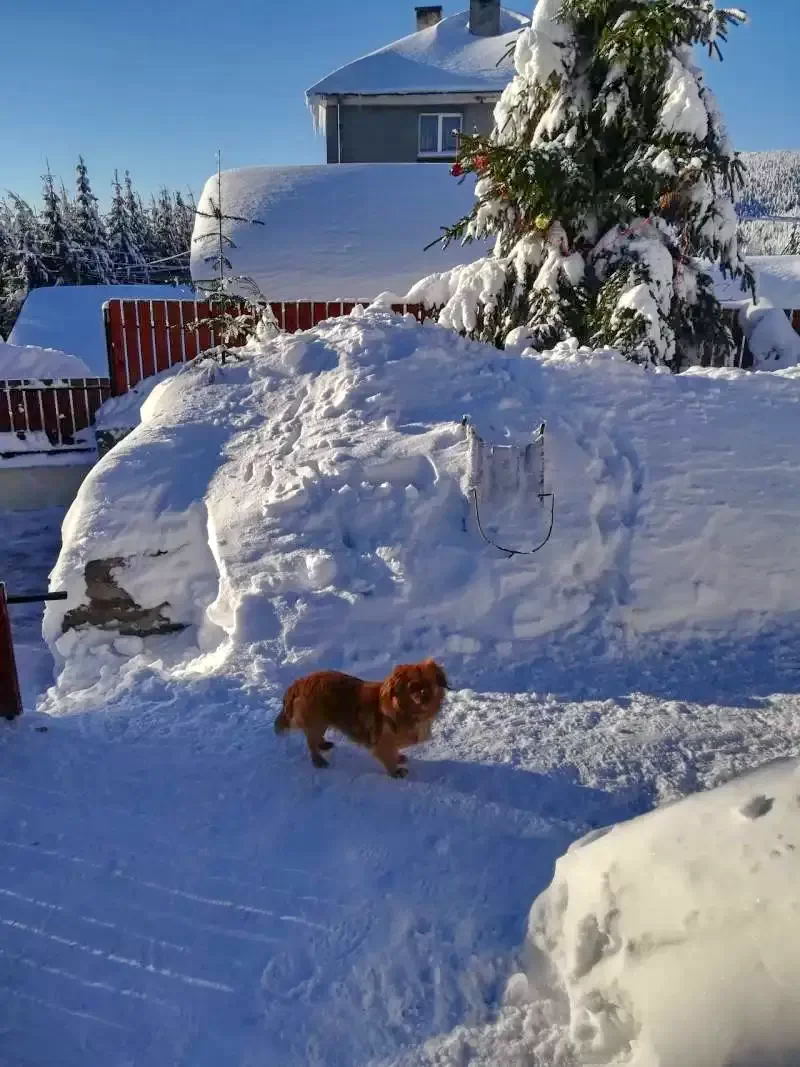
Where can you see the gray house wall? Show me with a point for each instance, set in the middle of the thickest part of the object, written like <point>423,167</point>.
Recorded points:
<point>389,133</point>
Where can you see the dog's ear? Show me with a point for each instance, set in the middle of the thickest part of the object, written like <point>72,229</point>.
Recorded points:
<point>439,675</point>
<point>394,689</point>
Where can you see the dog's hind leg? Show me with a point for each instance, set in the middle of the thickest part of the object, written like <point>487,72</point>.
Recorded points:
<point>316,744</point>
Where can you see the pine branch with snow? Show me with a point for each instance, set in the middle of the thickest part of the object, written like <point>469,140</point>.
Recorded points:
<point>608,185</point>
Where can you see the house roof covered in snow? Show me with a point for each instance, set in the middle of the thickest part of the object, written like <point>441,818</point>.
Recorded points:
<point>445,58</point>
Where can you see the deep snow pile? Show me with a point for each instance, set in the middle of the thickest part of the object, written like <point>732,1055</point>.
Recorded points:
<point>675,935</point>
<point>28,361</point>
<point>307,507</point>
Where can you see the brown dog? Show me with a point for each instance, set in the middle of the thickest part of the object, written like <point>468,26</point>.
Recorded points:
<point>381,716</point>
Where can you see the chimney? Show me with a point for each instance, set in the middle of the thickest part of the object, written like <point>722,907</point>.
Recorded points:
<point>428,16</point>
<point>484,18</point>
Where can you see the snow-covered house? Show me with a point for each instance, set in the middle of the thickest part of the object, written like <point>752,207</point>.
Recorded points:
<point>408,101</point>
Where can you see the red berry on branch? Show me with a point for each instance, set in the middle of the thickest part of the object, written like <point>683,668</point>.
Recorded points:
<point>456,170</point>
<point>480,163</point>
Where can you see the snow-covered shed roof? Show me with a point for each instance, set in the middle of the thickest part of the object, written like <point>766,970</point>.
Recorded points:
<point>354,230</point>
<point>349,231</point>
<point>445,58</point>
<point>70,318</point>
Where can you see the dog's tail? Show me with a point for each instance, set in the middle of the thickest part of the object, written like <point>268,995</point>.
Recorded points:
<point>284,719</point>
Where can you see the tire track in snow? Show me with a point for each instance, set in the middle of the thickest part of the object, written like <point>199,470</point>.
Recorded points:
<point>60,1007</point>
<point>60,972</point>
<point>50,906</point>
<point>172,891</point>
<point>113,957</point>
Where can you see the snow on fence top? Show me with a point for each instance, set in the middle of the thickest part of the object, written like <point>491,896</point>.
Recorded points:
<point>349,231</point>
<point>70,318</point>
<point>445,58</point>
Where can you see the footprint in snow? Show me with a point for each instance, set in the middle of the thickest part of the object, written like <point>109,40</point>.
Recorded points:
<point>757,806</point>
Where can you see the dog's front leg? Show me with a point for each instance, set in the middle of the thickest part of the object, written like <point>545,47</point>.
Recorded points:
<point>387,753</point>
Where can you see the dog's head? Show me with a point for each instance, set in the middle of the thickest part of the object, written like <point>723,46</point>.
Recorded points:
<point>415,690</point>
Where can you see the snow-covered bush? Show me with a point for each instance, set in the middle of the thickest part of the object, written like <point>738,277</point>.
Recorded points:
<point>608,173</point>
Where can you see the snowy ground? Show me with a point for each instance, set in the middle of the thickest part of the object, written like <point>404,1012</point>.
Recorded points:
<point>181,888</point>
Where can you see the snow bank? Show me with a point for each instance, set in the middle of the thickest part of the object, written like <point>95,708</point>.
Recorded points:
<point>675,935</point>
<point>307,506</point>
<point>70,318</point>
<point>443,58</point>
<point>777,278</point>
<point>28,361</point>
<point>772,339</point>
<point>350,231</point>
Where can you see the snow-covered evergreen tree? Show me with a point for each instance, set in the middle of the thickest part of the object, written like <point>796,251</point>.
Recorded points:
<point>57,248</point>
<point>24,267</point>
<point>140,227</point>
<point>183,222</point>
<point>162,214</point>
<point>606,183</point>
<point>90,240</point>
<point>125,255</point>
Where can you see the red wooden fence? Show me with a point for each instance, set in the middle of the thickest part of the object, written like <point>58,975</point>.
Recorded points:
<point>60,408</point>
<point>10,700</point>
<point>145,337</point>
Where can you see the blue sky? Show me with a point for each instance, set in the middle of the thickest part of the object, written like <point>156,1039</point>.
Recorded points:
<point>158,85</point>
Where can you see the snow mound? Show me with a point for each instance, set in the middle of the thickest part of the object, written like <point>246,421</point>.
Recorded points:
<point>307,506</point>
<point>774,342</point>
<point>28,361</point>
<point>442,58</point>
<point>777,282</point>
<point>327,229</point>
<point>675,935</point>
<point>70,318</point>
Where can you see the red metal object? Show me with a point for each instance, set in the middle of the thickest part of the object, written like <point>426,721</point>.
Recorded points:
<point>796,319</point>
<point>144,318</point>
<point>147,336</point>
<point>10,698</point>
<point>60,408</point>
<point>160,338</point>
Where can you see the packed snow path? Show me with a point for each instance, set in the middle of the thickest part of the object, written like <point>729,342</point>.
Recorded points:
<point>179,886</point>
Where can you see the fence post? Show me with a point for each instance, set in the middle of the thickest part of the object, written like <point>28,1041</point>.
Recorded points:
<point>10,699</point>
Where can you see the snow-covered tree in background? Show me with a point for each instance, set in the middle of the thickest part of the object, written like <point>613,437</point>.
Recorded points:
<point>607,181</point>
<point>183,222</point>
<point>140,227</point>
<point>93,260</point>
<point>125,255</point>
<point>57,249</point>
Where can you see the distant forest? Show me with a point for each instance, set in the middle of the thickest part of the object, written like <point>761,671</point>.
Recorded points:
<point>67,240</point>
<point>772,187</point>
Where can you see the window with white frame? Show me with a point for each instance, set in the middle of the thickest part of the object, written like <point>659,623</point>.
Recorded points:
<point>438,134</point>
